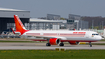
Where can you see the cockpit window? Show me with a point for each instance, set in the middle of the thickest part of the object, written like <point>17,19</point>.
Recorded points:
<point>95,34</point>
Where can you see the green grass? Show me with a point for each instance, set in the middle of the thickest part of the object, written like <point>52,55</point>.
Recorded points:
<point>95,44</point>
<point>98,43</point>
<point>102,40</point>
<point>14,41</point>
<point>52,54</point>
<point>23,41</point>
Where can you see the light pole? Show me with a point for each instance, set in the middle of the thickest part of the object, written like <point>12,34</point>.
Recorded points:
<point>92,23</point>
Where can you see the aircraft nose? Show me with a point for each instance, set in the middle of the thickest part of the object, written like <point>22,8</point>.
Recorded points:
<point>98,37</point>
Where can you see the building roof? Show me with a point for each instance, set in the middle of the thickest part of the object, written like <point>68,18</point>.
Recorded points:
<point>43,20</point>
<point>8,9</point>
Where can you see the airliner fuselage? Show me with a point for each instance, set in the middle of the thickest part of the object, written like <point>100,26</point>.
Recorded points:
<point>81,36</point>
<point>55,37</point>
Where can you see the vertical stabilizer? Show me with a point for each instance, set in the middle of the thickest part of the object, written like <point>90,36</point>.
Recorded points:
<point>18,24</point>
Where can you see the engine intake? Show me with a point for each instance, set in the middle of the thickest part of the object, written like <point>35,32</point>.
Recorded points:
<point>54,41</point>
<point>73,42</point>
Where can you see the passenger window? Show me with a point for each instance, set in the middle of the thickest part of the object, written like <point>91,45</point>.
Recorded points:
<point>97,34</point>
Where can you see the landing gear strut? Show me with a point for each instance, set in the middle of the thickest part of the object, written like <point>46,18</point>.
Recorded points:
<point>48,44</point>
<point>61,44</point>
<point>90,44</point>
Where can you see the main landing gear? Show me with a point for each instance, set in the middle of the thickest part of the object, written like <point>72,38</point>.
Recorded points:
<point>48,44</point>
<point>90,44</point>
<point>61,44</point>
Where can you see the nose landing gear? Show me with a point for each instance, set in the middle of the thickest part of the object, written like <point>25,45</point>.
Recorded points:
<point>90,44</point>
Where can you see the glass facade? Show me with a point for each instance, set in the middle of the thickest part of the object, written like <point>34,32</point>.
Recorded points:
<point>70,21</point>
<point>41,25</point>
<point>10,25</point>
<point>7,23</point>
<point>53,17</point>
<point>74,17</point>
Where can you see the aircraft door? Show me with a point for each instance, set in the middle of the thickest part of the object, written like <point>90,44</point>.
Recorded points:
<point>87,35</point>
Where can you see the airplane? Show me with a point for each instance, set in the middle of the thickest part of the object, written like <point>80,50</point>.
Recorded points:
<point>57,37</point>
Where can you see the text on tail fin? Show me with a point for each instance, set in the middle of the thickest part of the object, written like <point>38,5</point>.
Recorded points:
<point>18,24</point>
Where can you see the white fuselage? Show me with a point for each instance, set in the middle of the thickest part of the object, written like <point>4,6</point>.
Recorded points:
<point>65,35</point>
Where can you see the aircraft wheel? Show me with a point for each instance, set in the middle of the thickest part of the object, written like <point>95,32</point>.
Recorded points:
<point>61,44</point>
<point>48,44</point>
<point>90,44</point>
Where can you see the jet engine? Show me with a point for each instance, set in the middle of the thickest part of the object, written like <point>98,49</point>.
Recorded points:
<point>73,42</point>
<point>54,41</point>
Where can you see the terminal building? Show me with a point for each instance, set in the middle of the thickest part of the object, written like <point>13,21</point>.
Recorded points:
<point>52,22</point>
<point>7,21</point>
<point>42,24</point>
<point>74,17</point>
<point>53,17</point>
<point>75,22</point>
<point>7,18</point>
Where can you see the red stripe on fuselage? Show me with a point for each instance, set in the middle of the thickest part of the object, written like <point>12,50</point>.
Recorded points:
<point>65,40</point>
<point>55,34</point>
<point>78,40</point>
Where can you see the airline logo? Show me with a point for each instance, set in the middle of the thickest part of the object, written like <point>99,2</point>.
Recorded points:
<point>19,26</point>
<point>19,21</point>
<point>79,32</point>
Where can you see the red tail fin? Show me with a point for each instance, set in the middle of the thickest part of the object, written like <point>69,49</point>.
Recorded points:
<point>19,26</point>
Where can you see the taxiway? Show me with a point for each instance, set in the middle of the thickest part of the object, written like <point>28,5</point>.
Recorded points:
<point>41,46</point>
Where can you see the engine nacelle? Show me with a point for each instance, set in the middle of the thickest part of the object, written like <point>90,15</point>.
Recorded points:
<point>73,42</point>
<point>54,41</point>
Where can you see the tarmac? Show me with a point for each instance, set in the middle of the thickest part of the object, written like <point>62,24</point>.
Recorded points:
<point>42,46</point>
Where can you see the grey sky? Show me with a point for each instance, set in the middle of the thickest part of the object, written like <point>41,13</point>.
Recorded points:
<point>40,8</point>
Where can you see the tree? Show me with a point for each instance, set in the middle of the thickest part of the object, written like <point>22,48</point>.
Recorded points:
<point>96,27</point>
<point>62,18</point>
